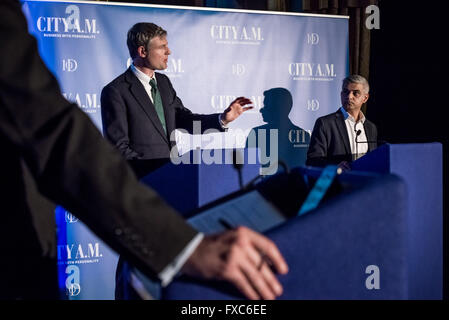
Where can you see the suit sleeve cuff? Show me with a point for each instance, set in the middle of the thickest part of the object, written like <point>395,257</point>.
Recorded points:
<point>172,269</point>
<point>223,126</point>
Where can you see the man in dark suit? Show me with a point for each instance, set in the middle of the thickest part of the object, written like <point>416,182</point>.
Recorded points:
<point>345,135</point>
<point>54,154</point>
<point>140,109</point>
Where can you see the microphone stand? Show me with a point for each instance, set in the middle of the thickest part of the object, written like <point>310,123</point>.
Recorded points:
<point>357,133</point>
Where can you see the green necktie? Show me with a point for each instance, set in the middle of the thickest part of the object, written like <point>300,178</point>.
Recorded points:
<point>157,101</point>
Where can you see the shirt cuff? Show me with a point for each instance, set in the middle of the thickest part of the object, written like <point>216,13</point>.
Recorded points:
<point>172,269</point>
<point>224,126</point>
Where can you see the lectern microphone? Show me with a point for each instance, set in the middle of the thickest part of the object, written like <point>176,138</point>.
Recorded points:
<point>357,133</point>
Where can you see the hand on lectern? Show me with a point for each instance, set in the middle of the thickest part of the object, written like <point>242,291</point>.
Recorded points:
<point>242,257</point>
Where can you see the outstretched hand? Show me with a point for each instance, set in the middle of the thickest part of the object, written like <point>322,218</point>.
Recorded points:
<point>235,109</point>
<point>239,256</point>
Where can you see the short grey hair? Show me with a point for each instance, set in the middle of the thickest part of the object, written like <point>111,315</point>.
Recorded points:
<point>141,34</point>
<point>355,78</point>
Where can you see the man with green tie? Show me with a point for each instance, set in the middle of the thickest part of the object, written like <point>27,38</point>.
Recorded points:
<point>140,108</point>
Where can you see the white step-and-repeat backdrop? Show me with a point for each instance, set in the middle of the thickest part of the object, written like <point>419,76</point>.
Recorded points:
<point>290,65</point>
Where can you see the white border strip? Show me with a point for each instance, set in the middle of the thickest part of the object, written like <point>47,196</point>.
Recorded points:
<point>193,8</point>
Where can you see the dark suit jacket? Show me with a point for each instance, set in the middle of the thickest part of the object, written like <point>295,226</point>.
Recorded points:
<point>131,123</point>
<point>329,143</point>
<point>52,153</point>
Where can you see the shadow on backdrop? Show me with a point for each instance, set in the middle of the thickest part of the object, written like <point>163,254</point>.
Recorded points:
<point>291,142</point>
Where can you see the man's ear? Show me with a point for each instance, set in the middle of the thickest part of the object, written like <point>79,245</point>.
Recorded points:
<point>366,98</point>
<point>142,52</point>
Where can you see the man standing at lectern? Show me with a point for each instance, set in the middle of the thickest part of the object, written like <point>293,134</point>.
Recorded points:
<point>140,111</point>
<point>140,108</point>
<point>345,135</point>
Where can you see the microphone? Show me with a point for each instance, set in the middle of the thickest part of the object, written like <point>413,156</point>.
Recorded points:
<point>357,133</point>
<point>376,142</point>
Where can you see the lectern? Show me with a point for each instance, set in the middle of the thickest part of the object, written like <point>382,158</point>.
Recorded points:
<point>195,179</point>
<point>421,167</point>
<point>352,246</point>
<point>188,186</point>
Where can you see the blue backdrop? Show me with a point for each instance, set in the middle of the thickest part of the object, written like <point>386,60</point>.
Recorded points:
<point>290,65</point>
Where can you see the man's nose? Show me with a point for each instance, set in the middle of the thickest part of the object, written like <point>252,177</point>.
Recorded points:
<point>168,51</point>
<point>350,95</point>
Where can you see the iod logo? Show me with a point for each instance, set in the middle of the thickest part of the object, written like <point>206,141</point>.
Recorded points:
<point>69,217</point>
<point>313,104</point>
<point>313,38</point>
<point>69,65</point>
<point>238,69</point>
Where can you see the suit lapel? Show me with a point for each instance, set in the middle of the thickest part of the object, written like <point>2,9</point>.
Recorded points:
<point>141,96</point>
<point>169,114</point>
<point>369,135</point>
<point>341,126</point>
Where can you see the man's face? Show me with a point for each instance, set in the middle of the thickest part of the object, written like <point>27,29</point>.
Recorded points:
<point>157,54</point>
<point>353,96</point>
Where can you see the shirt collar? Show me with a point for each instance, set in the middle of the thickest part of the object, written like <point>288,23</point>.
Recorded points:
<point>142,76</point>
<point>347,116</point>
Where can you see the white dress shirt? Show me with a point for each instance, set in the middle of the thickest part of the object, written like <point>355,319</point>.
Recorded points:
<point>145,80</point>
<point>360,148</point>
